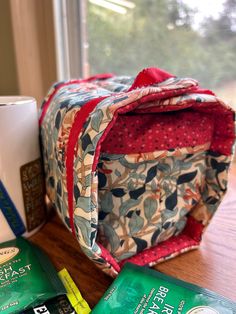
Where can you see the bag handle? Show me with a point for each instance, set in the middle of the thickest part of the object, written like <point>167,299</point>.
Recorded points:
<point>149,77</point>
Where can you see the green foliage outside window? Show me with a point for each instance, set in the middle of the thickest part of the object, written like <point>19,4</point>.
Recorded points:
<point>161,33</point>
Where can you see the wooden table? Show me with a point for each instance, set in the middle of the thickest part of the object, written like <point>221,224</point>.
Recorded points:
<point>213,266</point>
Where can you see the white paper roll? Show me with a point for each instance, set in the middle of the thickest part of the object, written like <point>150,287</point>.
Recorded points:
<point>21,181</point>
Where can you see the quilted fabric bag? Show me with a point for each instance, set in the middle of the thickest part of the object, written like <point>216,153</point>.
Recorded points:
<point>136,167</point>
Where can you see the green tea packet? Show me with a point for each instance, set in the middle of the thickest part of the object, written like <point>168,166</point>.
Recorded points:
<point>71,303</point>
<point>139,290</point>
<point>57,305</point>
<point>27,277</point>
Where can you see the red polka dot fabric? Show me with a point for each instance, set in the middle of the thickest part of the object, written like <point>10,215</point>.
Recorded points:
<point>139,133</point>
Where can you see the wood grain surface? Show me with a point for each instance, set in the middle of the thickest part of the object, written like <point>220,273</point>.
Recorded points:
<point>212,266</point>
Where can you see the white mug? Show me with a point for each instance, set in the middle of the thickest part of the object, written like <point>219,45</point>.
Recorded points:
<point>22,209</point>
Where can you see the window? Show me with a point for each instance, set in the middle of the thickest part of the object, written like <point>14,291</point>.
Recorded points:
<point>186,37</point>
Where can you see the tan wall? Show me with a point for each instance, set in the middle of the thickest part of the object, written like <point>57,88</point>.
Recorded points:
<point>8,73</point>
<point>27,49</point>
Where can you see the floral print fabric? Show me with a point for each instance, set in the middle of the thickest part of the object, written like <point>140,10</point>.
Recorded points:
<point>199,172</point>
<point>144,203</point>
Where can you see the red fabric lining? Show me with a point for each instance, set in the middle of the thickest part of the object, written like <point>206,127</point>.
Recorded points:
<point>221,141</point>
<point>140,133</point>
<point>80,118</point>
<point>102,76</point>
<point>165,249</point>
<point>149,77</point>
<point>204,91</point>
<point>106,255</point>
<point>193,229</point>
<point>132,106</point>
